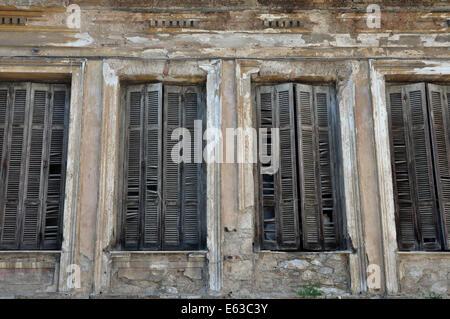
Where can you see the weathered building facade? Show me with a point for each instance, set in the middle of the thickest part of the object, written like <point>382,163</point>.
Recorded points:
<point>361,55</point>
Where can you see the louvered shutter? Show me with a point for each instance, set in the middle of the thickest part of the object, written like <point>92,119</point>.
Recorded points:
<point>54,168</point>
<point>405,214</point>
<point>164,206</point>
<point>318,208</point>
<point>323,112</point>
<point>153,144</point>
<point>134,167</point>
<point>439,108</point>
<point>267,183</point>
<point>279,202</point>
<point>171,169</point>
<point>3,124</point>
<point>34,166</point>
<point>417,210</point>
<point>308,170</point>
<point>182,182</point>
<point>32,210</point>
<point>15,154</point>
<point>4,116</point>
<point>192,173</point>
<point>288,210</point>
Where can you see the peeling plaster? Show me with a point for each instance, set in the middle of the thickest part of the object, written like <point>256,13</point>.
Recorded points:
<point>109,76</point>
<point>84,39</point>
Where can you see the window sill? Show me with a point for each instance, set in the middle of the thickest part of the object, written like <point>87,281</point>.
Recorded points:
<point>425,253</point>
<point>338,252</point>
<point>30,252</point>
<point>120,253</point>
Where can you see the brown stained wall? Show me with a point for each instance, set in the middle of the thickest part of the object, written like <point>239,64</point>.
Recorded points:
<point>159,274</point>
<point>117,44</point>
<point>29,274</point>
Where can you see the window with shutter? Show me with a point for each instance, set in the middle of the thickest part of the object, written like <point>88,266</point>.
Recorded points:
<point>34,134</point>
<point>298,207</point>
<point>439,108</point>
<point>419,150</point>
<point>164,202</point>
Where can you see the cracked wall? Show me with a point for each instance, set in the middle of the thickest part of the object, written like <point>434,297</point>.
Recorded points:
<point>118,44</point>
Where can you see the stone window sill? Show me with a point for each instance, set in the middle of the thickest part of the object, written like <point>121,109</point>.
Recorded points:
<point>425,253</point>
<point>29,252</point>
<point>119,253</point>
<point>337,252</point>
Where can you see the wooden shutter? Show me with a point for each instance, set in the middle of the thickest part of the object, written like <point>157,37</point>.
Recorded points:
<point>54,165</point>
<point>267,183</point>
<point>134,168</point>
<point>318,208</point>
<point>172,173</point>
<point>35,161</point>
<point>153,145</point>
<point>323,112</point>
<point>279,199</point>
<point>4,120</point>
<point>15,154</point>
<point>34,166</point>
<point>164,204</point>
<point>192,173</point>
<point>439,108</point>
<point>183,200</point>
<point>416,209</point>
<point>287,176</point>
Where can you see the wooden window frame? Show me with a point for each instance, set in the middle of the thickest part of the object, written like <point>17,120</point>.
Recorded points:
<point>39,242</point>
<point>183,89</point>
<point>438,214</point>
<point>336,171</point>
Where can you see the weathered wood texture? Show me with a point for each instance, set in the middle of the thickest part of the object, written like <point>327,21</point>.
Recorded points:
<point>120,43</point>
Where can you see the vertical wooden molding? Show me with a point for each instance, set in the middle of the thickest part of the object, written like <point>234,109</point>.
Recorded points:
<point>106,220</point>
<point>352,204</point>
<point>387,210</point>
<point>370,208</point>
<point>70,219</point>
<point>213,179</point>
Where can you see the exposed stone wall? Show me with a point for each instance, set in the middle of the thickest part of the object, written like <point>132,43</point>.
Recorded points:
<point>425,274</point>
<point>116,43</point>
<point>279,273</point>
<point>156,274</point>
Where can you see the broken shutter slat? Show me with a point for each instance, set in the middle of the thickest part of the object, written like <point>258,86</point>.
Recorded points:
<point>133,204</point>
<point>32,211</point>
<point>153,145</point>
<point>268,187</point>
<point>191,172</point>
<point>422,163</point>
<point>55,166</point>
<point>405,209</point>
<point>287,174</point>
<point>30,155</point>
<point>416,207</point>
<point>4,119</point>
<point>439,109</point>
<point>327,208</point>
<point>308,170</point>
<point>171,168</point>
<point>14,180</point>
